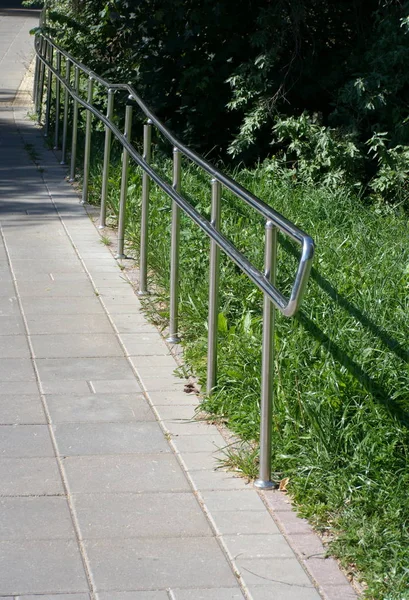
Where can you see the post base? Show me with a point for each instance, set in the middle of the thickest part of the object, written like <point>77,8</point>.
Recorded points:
<point>120,256</point>
<point>263,484</point>
<point>173,339</point>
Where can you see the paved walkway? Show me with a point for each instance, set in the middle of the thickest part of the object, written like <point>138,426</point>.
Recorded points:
<point>107,490</point>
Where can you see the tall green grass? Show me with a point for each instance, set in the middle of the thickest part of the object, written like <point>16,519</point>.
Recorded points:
<point>341,385</point>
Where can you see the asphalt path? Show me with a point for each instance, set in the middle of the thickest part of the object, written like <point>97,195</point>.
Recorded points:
<point>16,46</point>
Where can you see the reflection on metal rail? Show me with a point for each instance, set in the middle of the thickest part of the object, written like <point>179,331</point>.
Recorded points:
<point>54,62</point>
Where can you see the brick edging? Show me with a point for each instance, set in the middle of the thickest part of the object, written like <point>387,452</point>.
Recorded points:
<point>324,571</point>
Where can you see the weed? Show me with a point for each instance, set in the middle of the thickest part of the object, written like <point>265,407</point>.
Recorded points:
<point>105,240</point>
<point>32,152</point>
<point>242,458</point>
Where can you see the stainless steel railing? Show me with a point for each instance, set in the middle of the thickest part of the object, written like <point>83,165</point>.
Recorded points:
<point>53,62</point>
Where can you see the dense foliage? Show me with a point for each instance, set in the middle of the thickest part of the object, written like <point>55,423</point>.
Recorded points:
<point>232,80</point>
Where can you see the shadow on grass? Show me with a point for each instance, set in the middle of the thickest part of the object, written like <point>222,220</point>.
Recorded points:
<point>380,393</point>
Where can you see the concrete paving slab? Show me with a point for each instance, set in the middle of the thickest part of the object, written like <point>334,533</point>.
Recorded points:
<point>186,427</point>
<point>104,268</point>
<point>258,571</point>
<point>124,473</point>
<point>43,250</point>
<point>69,306</point>
<point>66,387</point>
<point>118,286</point>
<point>54,289</point>
<point>258,546</point>
<point>326,570</point>
<point>165,372</point>
<point>206,479</point>
<point>7,288</point>
<point>144,345</point>
<point>4,266</point>
<point>72,277</point>
<point>137,515</point>
<point>157,384</point>
<point>113,301</point>
<point>209,594</point>
<point>181,414</point>
<point>338,592</point>
<point>120,386</point>
<point>291,523</point>
<point>24,268</point>
<point>172,398</point>
<point>99,407</point>
<point>16,369</point>
<point>41,567</point>
<point>308,545</point>
<point>108,279</point>
<point>201,443</point>
<point>76,345</point>
<point>35,519</point>
<point>18,387</point>
<point>244,522</point>
<point>63,324</point>
<point>52,369</point>
<point>9,305</point>
<point>121,308</point>
<point>283,591</point>
<point>25,441</point>
<point>14,346</point>
<point>156,595</point>
<point>234,501</point>
<point>57,597</point>
<point>75,439</point>
<point>153,361</point>
<point>143,564</point>
<point>30,477</point>
<point>21,409</point>
<point>204,461</point>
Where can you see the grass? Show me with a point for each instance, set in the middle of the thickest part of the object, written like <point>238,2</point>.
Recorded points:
<point>105,240</point>
<point>32,153</point>
<point>341,404</point>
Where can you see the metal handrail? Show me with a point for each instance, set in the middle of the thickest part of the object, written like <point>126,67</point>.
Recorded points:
<point>49,61</point>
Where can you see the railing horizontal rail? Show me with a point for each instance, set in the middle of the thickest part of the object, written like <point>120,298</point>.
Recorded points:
<point>264,209</point>
<point>287,306</point>
<point>49,60</point>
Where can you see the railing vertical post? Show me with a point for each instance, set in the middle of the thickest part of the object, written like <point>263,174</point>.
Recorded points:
<point>143,257</point>
<point>87,148</point>
<point>43,45</point>
<point>74,126</point>
<point>173,337</point>
<point>57,101</point>
<point>49,91</point>
<point>107,156</point>
<point>213,292</point>
<point>66,110</point>
<point>124,182</point>
<point>37,43</point>
<point>267,368</point>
